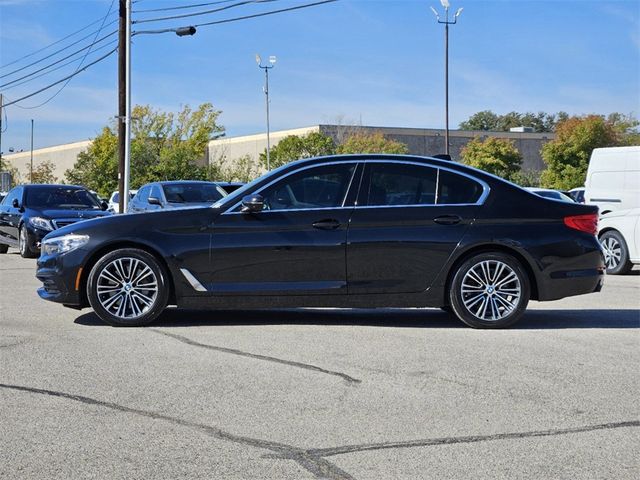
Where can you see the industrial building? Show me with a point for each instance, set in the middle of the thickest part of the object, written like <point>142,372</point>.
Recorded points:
<point>420,141</point>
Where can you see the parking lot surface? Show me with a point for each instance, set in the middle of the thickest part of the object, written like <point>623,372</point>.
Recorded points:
<point>330,394</point>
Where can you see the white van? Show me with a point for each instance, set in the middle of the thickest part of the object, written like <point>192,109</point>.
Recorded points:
<point>613,179</point>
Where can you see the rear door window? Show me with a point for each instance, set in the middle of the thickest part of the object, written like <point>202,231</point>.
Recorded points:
<point>397,184</point>
<point>455,189</point>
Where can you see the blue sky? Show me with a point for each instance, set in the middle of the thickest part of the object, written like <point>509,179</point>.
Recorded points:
<point>379,62</point>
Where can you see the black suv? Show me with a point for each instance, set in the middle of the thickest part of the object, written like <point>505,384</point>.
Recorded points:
<point>29,212</point>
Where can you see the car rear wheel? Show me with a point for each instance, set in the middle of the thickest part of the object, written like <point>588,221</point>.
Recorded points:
<point>490,290</point>
<point>616,253</point>
<point>128,287</point>
<point>24,243</point>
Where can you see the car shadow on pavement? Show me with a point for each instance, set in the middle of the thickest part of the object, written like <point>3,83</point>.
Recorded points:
<point>391,318</point>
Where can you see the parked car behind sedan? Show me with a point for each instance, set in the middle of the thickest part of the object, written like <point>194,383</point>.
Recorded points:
<point>29,212</point>
<point>175,194</point>
<point>549,193</point>
<point>620,238</point>
<point>114,201</point>
<point>340,231</point>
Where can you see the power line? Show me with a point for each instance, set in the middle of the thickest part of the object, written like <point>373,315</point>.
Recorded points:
<point>282,10</point>
<point>61,50</point>
<point>204,12</point>
<point>88,47</point>
<point>79,64</point>
<point>101,47</point>
<point>55,43</point>
<point>182,7</point>
<point>13,102</point>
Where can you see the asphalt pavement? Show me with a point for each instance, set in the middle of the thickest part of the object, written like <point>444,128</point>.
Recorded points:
<point>319,393</point>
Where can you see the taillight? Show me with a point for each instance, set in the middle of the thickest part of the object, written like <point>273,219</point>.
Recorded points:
<point>585,223</point>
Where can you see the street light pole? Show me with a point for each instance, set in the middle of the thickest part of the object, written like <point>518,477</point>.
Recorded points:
<point>446,22</point>
<point>127,135</point>
<point>266,68</point>
<point>31,163</point>
<point>124,111</point>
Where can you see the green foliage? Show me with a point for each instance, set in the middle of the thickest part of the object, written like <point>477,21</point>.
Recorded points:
<point>43,172</point>
<point>567,156</point>
<point>526,178</point>
<point>293,147</point>
<point>242,169</point>
<point>486,120</point>
<point>164,146</point>
<point>371,143</point>
<point>494,155</point>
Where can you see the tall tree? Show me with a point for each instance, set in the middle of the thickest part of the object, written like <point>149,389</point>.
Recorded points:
<point>371,143</point>
<point>164,146</point>
<point>494,155</point>
<point>567,156</point>
<point>293,147</point>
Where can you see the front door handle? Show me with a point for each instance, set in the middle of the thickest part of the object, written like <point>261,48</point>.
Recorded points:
<point>448,219</point>
<point>327,224</point>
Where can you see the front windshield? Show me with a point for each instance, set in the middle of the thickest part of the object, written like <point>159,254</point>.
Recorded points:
<point>61,198</point>
<point>192,193</point>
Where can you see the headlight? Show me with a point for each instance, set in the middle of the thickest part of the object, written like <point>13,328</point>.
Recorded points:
<point>63,244</point>
<point>41,223</point>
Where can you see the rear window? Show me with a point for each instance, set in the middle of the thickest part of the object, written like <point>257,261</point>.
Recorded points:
<point>456,189</point>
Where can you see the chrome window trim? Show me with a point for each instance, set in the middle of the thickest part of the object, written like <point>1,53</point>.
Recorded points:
<point>483,196</point>
<point>230,211</point>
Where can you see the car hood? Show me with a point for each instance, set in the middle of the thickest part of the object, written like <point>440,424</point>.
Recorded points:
<point>188,205</point>
<point>68,213</point>
<point>124,225</point>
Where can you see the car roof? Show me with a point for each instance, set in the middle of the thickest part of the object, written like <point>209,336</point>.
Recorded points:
<point>53,185</point>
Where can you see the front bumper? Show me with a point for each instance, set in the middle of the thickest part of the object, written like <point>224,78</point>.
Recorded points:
<point>60,276</point>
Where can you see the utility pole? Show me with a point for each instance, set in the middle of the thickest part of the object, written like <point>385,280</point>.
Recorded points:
<point>446,22</point>
<point>1,104</point>
<point>127,104</point>
<point>31,162</point>
<point>266,68</point>
<point>122,105</point>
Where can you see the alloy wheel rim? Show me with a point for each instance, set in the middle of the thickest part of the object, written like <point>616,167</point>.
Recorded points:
<point>491,290</point>
<point>612,252</point>
<point>127,288</point>
<point>23,241</point>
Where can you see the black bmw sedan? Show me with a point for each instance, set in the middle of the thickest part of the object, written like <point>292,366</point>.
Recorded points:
<point>29,212</point>
<point>343,231</point>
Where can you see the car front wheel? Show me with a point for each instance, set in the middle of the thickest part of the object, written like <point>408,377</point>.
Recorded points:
<point>128,287</point>
<point>616,253</point>
<point>24,243</point>
<point>489,290</point>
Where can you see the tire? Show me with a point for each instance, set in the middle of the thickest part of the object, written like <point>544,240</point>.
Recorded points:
<point>616,253</point>
<point>481,304</point>
<point>4,248</point>
<point>128,288</point>
<point>24,244</point>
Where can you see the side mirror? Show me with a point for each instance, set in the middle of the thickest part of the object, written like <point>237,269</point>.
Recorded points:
<point>16,203</point>
<point>154,201</point>
<point>253,203</point>
<point>104,205</point>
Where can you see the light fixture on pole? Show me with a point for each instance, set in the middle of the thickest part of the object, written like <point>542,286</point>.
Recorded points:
<point>446,22</point>
<point>266,68</point>
<point>126,174</point>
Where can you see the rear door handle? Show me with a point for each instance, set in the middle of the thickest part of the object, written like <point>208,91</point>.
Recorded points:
<point>327,224</point>
<point>448,219</point>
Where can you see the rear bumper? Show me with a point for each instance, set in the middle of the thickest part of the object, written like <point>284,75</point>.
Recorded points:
<point>570,283</point>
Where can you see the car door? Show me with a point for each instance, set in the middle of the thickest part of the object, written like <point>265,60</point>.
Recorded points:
<point>296,245</point>
<point>408,221</point>
<point>139,202</point>
<point>10,215</point>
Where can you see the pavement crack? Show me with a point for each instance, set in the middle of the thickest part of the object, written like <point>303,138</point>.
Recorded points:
<point>316,465</point>
<point>327,452</point>
<point>255,356</point>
